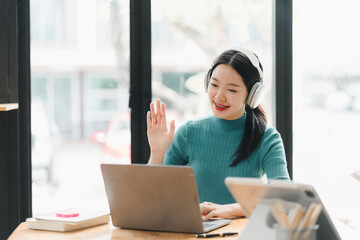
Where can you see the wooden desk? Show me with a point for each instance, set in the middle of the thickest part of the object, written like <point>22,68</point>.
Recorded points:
<point>107,231</point>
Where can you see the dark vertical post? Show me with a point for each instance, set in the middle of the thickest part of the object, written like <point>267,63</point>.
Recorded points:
<point>15,135</point>
<point>13,48</point>
<point>4,80</point>
<point>10,159</point>
<point>5,197</point>
<point>24,90</point>
<point>4,122</point>
<point>283,74</point>
<point>140,77</point>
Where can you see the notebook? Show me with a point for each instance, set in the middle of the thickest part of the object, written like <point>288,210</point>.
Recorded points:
<point>159,198</point>
<point>248,192</point>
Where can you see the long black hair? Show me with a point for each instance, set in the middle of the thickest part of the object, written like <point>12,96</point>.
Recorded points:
<point>255,118</point>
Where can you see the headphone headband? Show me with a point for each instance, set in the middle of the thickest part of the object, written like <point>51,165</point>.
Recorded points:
<point>254,61</point>
<point>258,89</point>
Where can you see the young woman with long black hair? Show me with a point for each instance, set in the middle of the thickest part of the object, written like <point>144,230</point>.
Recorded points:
<point>234,141</point>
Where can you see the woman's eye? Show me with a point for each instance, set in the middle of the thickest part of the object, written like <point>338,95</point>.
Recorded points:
<point>213,84</point>
<point>232,90</point>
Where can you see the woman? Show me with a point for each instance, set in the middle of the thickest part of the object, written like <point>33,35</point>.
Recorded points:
<point>235,141</point>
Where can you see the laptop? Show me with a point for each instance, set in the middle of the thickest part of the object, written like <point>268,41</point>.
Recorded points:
<point>155,197</point>
<point>248,192</point>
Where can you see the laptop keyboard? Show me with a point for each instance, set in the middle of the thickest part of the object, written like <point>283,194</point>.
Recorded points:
<point>216,223</point>
<point>208,224</point>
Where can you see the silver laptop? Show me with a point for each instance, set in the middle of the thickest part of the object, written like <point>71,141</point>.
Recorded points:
<point>159,198</point>
<point>248,192</point>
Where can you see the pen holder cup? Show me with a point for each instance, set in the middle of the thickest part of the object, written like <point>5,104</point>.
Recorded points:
<point>308,233</point>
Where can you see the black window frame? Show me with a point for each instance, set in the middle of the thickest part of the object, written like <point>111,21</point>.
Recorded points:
<point>283,56</point>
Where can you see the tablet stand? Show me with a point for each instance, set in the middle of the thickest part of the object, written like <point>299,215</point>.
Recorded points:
<point>260,224</point>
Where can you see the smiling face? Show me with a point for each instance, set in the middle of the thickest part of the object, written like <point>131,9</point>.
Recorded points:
<point>227,93</point>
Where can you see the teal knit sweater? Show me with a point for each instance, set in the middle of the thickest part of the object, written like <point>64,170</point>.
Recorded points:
<point>208,145</point>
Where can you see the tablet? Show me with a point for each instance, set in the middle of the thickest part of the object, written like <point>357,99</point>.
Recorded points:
<point>248,192</point>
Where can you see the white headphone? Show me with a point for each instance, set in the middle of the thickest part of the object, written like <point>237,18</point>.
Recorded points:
<point>258,89</point>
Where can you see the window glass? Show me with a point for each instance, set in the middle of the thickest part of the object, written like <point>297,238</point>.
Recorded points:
<point>326,88</point>
<point>187,38</point>
<point>79,99</point>
<point>47,19</point>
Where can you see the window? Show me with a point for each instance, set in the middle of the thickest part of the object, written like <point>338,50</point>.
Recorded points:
<point>326,106</point>
<point>187,39</point>
<point>47,21</point>
<point>80,85</point>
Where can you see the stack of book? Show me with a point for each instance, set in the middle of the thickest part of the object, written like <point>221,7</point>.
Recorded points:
<point>62,221</point>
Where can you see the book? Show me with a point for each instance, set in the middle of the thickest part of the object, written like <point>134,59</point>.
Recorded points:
<point>52,222</point>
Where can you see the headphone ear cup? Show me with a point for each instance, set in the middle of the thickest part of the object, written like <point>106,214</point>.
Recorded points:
<point>255,95</point>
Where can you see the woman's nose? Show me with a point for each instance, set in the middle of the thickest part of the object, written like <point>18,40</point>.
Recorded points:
<point>220,95</point>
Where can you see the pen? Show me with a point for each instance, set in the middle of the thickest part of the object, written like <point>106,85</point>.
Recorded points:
<point>210,235</point>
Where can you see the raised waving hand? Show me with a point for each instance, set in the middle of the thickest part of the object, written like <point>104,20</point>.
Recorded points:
<point>159,136</point>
